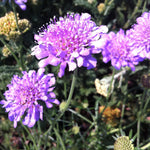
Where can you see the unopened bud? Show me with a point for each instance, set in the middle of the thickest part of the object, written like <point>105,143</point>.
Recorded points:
<point>75,129</point>
<point>101,7</point>
<point>62,106</point>
<point>24,25</point>
<point>5,51</point>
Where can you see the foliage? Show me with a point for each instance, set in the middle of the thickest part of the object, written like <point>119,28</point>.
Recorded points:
<point>80,125</point>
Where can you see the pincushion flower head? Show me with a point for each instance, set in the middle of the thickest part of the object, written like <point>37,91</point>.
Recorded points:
<point>69,41</point>
<point>140,35</point>
<point>24,94</point>
<point>117,50</point>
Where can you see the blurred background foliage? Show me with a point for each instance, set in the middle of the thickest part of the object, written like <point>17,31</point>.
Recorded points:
<point>115,14</point>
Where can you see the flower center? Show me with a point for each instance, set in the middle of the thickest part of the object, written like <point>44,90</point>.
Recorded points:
<point>28,95</point>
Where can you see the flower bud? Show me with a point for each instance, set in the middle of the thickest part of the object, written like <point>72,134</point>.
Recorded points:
<point>24,25</point>
<point>62,106</point>
<point>5,51</point>
<point>101,7</point>
<point>75,129</point>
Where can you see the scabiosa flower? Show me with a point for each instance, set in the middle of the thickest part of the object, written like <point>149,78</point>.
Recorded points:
<point>140,36</point>
<point>123,143</point>
<point>117,50</point>
<point>24,94</point>
<point>70,41</point>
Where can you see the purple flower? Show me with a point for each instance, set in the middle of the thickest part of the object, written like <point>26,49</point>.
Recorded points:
<point>70,41</point>
<point>140,36</point>
<point>20,3</point>
<point>24,94</point>
<point>117,50</point>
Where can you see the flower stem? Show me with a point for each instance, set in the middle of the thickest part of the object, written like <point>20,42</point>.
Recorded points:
<point>32,138</point>
<point>139,119</point>
<point>69,97</point>
<point>145,146</point>
<point>20,52</point>
<point>96,115</point>
<point>138,131</point>
<point>15,57</point>
<point>109,92</point>
<point>122,113</point>
<point>60,139</point>
<point>123,128</point>
<point>139,3</point>
<point>71,91</point>
<point>14,10</point>
<point>79,115</point>
<point>66,106</point>
<point>111,83</point>
<point>39,130</point>
<point>145,106</point>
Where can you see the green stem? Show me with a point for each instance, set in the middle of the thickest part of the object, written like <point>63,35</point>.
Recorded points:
<point>133,14</point>
<point>14,10</point>
<point>39,130</point>
<point>32,138</point>
<point>138,130</point>
<point>122,113</point>
<point>45,142</point>
<point>110,87</point>
<point>60,139</point>
<point>144,7</point>
<point>145,146</point>
<point>145,106</point>
<point>15,57</point>
<point>139,119</point>
<point>67,103</point>
<point>96,115</point>
<point>79,115</point>
<point>26,147</point>
<point>20,53</point>
<point>109,92</point>
<point>71,91</point>
<point>125,127</point>
<point>65,88</point>
<point>70,95</point>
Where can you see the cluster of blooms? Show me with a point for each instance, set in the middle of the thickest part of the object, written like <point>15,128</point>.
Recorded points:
<point>8,26</point>
<point>20,3</point>
<point>110,115</point>
<point>130,48</point>
<point>70,41</point>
